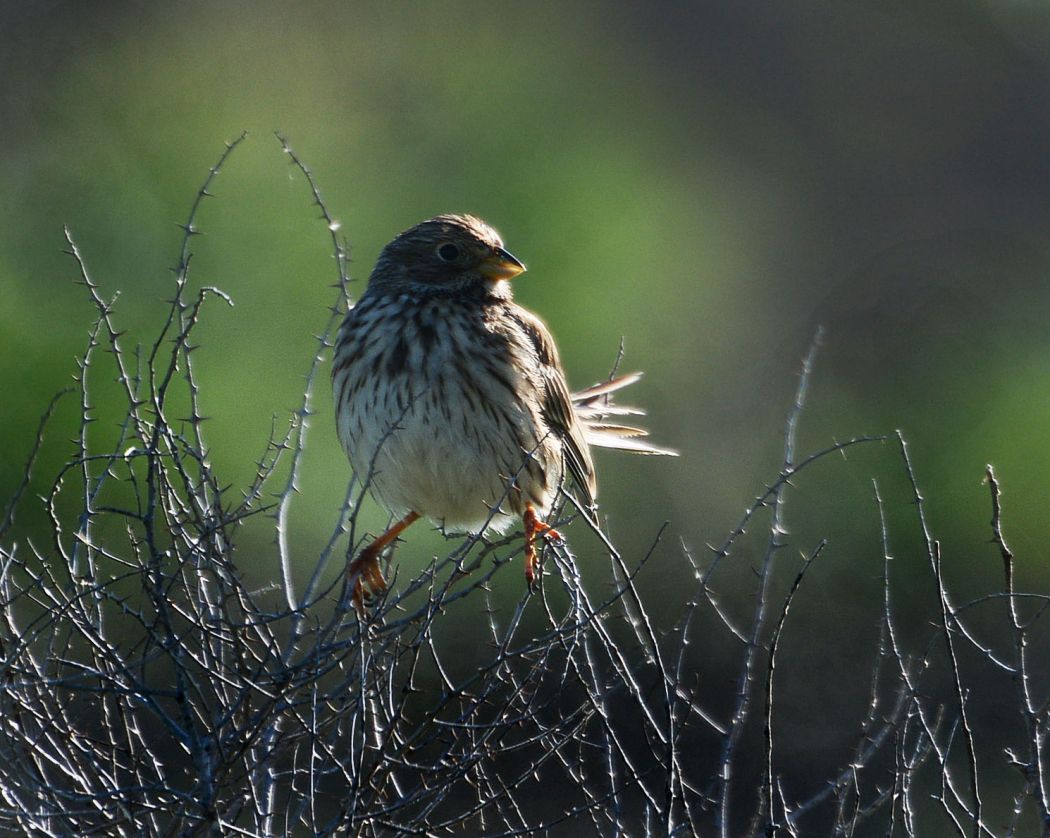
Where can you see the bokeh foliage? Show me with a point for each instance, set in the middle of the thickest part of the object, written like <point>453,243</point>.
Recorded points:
<point>707,181</point>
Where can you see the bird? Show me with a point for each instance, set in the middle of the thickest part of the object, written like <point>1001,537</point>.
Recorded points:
<point>451,401</point>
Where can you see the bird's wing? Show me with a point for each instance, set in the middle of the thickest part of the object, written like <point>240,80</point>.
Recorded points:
<point>556,403</point>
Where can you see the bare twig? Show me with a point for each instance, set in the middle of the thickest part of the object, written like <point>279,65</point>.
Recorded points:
<point>144,689</point>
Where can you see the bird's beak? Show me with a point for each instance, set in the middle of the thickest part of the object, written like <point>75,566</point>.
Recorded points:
<point>501,265</point>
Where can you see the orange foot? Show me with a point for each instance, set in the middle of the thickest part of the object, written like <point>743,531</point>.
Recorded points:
<point>534,526</point>
<point>363,573</point>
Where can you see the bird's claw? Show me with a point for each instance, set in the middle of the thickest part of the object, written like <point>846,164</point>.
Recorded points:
<point>533,563</point>
<point>366,579</point>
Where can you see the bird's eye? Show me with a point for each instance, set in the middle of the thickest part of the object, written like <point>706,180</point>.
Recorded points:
<point>448,252</point>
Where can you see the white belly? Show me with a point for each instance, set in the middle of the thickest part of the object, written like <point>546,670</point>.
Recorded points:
<point>417,461</point>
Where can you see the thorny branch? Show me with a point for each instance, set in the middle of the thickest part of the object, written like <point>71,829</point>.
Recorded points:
<point>146,689</point>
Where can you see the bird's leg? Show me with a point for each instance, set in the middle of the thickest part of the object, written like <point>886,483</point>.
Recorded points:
<point>534,525</point>
<point>363,573</point>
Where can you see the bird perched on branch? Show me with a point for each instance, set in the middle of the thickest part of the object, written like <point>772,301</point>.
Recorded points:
<point>450,399</point>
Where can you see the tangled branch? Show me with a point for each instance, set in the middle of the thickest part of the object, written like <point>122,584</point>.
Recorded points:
<point>146,689</point>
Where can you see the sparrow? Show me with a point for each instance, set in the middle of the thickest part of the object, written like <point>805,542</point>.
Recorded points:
<point>451,401</point>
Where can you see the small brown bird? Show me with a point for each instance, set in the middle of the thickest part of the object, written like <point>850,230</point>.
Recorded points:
<point>450,399</point>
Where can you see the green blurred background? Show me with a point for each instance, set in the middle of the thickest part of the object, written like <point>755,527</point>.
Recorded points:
<point>708,181</point>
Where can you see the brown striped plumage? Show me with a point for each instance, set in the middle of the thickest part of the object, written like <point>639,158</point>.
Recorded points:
<point>450,398</point>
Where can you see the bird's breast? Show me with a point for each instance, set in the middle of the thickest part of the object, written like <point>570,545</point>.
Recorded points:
<point>434,409</point>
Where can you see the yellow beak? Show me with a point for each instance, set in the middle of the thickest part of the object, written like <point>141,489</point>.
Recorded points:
<point>501,265</point>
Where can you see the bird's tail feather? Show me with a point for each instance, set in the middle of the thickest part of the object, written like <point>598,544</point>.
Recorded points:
<point>593,404</point>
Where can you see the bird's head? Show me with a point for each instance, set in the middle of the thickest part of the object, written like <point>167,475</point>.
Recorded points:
<point>448,254</point>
